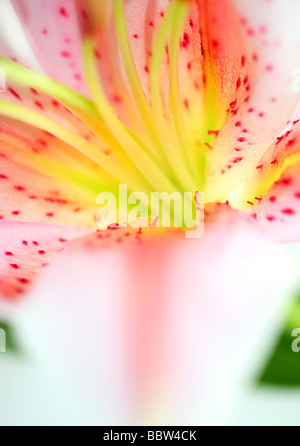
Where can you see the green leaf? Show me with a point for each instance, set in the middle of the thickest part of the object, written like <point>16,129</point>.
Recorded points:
<point>11,344</point>
<point>283,367</point>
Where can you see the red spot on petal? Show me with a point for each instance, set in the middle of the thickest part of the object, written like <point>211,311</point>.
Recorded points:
<point>55,103</point>
<point>39,105</point>
<point>20,188</point>
<point>186,40</point>
<point>63,12</point>
<point>286,181</point>
<point>288,211</point>
<point>14,93</point>
<point>65,54</point>
<point>238,160</point>
<point>23,280</point>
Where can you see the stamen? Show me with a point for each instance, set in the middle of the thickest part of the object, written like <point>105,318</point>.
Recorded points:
<point>110,142</point>
<point>84,109</point>
<point>170,149</point>
<point>142,159</point>
<point>132,74</point>
<point>28,116</point>
<point>84,180</point>
<point>23,76</point>
<point>81,107</point>
<point>179,14</point>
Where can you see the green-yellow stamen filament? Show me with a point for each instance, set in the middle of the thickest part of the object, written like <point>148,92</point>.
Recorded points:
<point>86,182</point>
<point>145,163</point>
<point>170,149</point>
<point>22,75</point>
<point>110,142</point>
<point>132,74</point>
<point>91,151</point>
<point>179,14</point>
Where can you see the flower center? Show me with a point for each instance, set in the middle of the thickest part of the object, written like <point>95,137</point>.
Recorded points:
<point>165,159</point>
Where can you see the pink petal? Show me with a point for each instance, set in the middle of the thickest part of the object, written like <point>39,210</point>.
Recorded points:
<point>54,32</point>
<point>285,149</point>
<point>212,68</point>
<point>13,42</point>
<point>46,106</point>
<point>278,212</point>
<point>25,248</point>
<point>45,180</point>
<point>258,117</point>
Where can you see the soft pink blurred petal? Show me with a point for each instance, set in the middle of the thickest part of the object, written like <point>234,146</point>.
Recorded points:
<point>54,32</point>
<point>165,332</point>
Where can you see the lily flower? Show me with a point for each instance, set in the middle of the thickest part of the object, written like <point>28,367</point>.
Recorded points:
<point>161,96</point>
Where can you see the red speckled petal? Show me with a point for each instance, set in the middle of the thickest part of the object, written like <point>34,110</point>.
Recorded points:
<point>277,213</point>
<point>256,119</point>
<point>46,106</point>
<point>212,67</point>
<point>284,151</point>
<point>45,180</point>
<point>25,248</point>
<point>47,197</point>
<point>54,32</point>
